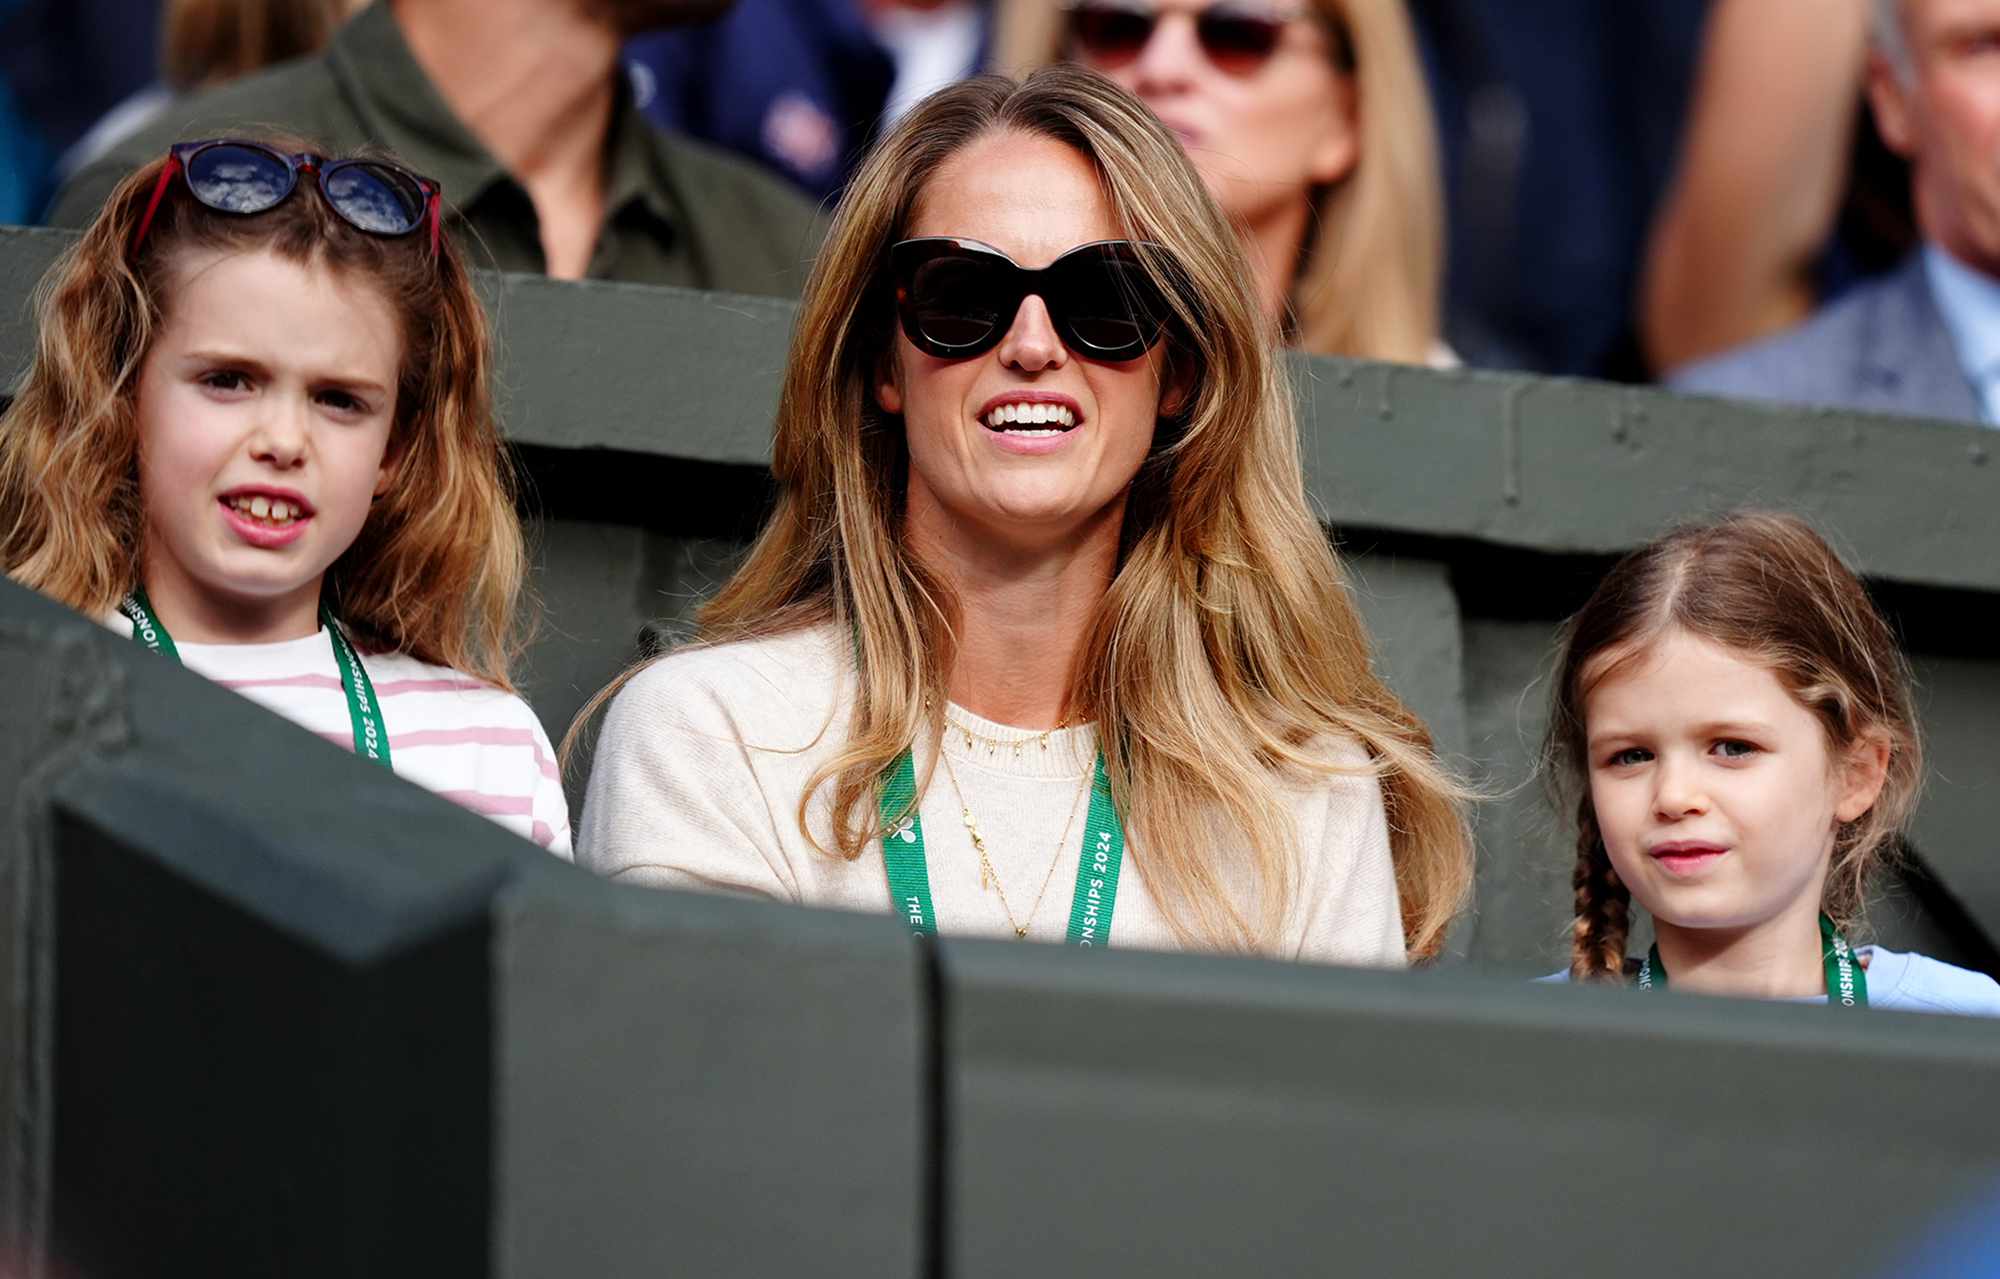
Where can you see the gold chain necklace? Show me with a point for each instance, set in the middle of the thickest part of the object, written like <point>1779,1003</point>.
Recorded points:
<point>988,878</point>
<point>994,745</point>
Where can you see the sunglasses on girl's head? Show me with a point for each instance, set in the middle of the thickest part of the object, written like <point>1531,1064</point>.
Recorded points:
<point>230,176</point>
<point>957,298</point>
<point>1237,40</point>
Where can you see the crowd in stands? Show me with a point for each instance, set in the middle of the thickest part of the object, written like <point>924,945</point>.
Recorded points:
<point>1621,191</point>
<point>1041,610</point>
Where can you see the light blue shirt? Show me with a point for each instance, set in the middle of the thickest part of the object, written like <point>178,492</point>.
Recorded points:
<point>1969,301</point>
<point>1913,983</point>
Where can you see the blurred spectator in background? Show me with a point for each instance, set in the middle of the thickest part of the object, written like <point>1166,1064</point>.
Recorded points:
<point>1732,254</point>
<point>1309,123</point>
<point>1925,339</point>
<point>522,110</point>
<point>1559,121</point>
<point>1785,195</point>
<point>63,64</point>
<point>210,42</point>
<point>205,43</point>
<point>804,85</point>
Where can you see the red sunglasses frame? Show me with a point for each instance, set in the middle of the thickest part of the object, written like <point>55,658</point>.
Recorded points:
<point>318,166</point>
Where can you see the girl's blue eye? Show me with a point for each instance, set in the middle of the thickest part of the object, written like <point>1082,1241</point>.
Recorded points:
<point>225,380</point>
<point>1733,749</point>
<point>1629,756</point>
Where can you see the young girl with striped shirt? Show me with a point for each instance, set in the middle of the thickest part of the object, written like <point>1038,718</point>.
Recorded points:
<point>258,437</point>
<point>1733,719</point>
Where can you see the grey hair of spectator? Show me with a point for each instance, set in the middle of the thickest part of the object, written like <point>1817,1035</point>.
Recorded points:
<point>1889,38</point>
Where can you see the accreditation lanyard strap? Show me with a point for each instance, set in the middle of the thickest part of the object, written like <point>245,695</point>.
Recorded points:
<point>1846,980</point>
<point>371,739</point>
<point>1102,856</point>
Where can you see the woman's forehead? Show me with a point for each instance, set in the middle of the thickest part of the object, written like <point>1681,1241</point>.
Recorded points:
<point>1029,196</point>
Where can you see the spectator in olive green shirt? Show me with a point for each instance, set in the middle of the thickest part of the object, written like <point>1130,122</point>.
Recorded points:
<point>521,109</point>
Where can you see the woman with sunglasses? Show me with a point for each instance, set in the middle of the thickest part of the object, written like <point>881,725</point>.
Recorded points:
<point>1310,123</point>
<point>258,438</point>
<point>1042,640</point>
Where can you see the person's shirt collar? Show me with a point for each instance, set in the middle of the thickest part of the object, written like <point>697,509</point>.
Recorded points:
<point>1969,302</point>
<point>640,168</point>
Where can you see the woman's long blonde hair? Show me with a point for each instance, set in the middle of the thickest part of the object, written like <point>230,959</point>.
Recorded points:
<point>437,570</point>
<point>1227,650</point>
<point>1373,263</point>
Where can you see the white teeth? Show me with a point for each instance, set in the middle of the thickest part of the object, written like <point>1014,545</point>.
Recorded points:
<point>270,509</point>
<point>1032,414</point>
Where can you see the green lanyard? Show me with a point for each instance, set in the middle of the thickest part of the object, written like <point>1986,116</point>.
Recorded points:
<point>371,740</point>
<point>1846,980</point>
<point>1097,865</point>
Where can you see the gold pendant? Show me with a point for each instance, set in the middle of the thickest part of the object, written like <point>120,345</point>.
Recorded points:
<point>1020,932</point>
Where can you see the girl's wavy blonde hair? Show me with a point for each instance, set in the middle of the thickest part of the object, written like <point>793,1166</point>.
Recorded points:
<point>437,570</point>
<point>1372,267</point>
<point>1227,650</point>
<point>1768,587</point>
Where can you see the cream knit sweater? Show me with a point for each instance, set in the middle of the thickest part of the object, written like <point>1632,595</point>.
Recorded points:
<point>704,756</point>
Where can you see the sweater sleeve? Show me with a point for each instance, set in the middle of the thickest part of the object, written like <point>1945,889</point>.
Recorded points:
<point>1352,914</point>
<point>675,799</point>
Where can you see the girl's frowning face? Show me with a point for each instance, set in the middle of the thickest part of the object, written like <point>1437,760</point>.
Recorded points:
<point>1714,788</point>
<point>264,410</point>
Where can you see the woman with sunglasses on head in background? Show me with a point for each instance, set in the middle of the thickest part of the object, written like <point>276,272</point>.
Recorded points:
<point>1042,640</point>
<point>1311,125</point>
<point>258,438</point>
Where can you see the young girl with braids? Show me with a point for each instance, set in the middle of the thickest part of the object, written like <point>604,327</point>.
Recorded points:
<point>1733,719</point>
<point>258,438</point>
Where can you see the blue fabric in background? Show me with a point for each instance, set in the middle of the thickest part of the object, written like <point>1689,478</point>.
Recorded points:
<point>797,84</point>
<point>1963,1245</point>
<point>63,64</point>
<point>1559,121</point>
<point>27,163</point>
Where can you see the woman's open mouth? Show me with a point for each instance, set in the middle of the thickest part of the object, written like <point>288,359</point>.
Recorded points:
<point>1030,419</point>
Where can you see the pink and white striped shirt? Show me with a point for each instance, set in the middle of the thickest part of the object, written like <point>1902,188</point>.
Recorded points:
<point>468,741</point>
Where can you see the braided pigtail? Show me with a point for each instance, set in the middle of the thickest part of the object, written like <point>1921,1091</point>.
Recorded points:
<point>1603,907</point>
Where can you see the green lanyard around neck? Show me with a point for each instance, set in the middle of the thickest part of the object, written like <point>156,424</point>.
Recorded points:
<point>1097,866</point>
<point>371,739</point>
<point>1846,980</point>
